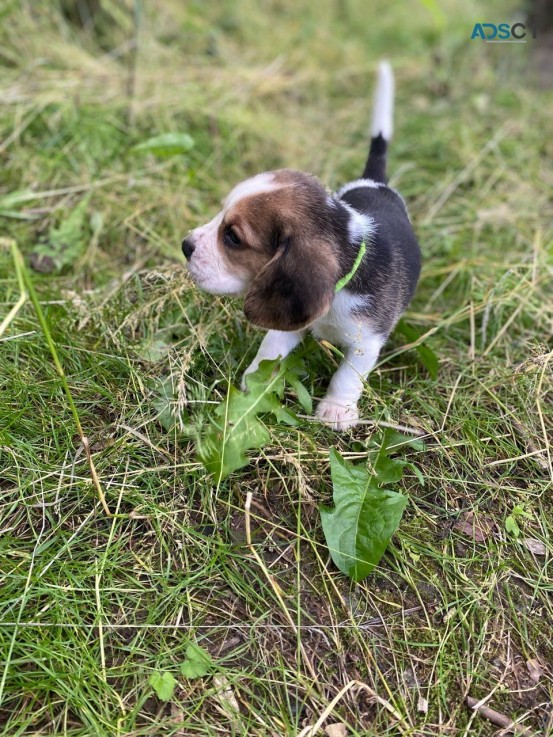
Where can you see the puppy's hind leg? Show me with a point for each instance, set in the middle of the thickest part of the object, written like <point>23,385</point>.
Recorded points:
<point>275,343</point>
<point>338,408</point>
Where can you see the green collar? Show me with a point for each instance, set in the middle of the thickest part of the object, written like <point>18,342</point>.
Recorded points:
<point>348,277</point>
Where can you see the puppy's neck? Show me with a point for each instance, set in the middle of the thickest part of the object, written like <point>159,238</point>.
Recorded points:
<point>351,229</point>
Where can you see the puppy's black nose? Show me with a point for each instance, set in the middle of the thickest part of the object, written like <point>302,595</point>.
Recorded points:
<point>188,247</point>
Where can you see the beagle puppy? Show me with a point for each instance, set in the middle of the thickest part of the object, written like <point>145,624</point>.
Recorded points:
<point>343,265</point>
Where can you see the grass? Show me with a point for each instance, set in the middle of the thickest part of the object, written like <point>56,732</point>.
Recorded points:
<point>92,605</point>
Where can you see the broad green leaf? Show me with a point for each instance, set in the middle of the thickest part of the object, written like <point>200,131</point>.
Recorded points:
<point>365,516</point>
<point>294,366</point>
<point>166,144</point>
<point>164,401</point>
<point>265,390</point>
<point>164,685</point>
<point>70,230</point>
<point>387,470</point>
<point>67,241</point>
<point>153,349</point>
<point>396,441</point>
<point>198,662</point>
<point>427,356</point>
<point>169,414</point>
<point>234,427</point>
<point>511,526</point>
<point>519,511</point>
<point>223,449</point>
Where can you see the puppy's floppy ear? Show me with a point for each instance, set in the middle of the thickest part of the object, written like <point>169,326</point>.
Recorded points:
<point>295,287</point>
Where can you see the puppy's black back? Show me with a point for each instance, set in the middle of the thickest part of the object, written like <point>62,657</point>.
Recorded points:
<point>390,270</point>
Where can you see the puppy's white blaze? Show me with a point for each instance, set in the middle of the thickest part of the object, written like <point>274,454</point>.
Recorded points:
<point>357,183</point>
<point>382,121</point>
<point>360,227</point>
<point>255,185</point>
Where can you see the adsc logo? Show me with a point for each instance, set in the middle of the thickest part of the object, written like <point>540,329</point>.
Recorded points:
<point>502,33</point>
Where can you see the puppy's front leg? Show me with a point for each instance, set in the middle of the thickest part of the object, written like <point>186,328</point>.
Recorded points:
<point>338,408</point>
<point>275,343</point>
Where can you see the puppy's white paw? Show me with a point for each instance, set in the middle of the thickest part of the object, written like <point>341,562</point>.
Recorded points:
<point>338,416</point>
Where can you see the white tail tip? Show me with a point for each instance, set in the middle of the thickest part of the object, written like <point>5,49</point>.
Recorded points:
<point>383,103</point>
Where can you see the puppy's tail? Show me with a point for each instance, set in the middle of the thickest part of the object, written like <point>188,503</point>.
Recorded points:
<point>382,124</point>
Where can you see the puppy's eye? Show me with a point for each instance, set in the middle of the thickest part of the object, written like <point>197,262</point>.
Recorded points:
<point>232,239</point>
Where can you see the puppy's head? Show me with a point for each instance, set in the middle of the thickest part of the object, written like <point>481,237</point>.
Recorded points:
<point>272,241</point>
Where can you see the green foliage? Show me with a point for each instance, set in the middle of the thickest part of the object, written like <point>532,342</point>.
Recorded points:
<point>235,426</point>
<point>365,515</point>
<point>294,367</point>
<point>426,355</point>
<point>166,145</point>
<point>163,684</point>
<point>164,401</point>
<point>511,521</point>
<point>198,662</point>
<point>66,241</point>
